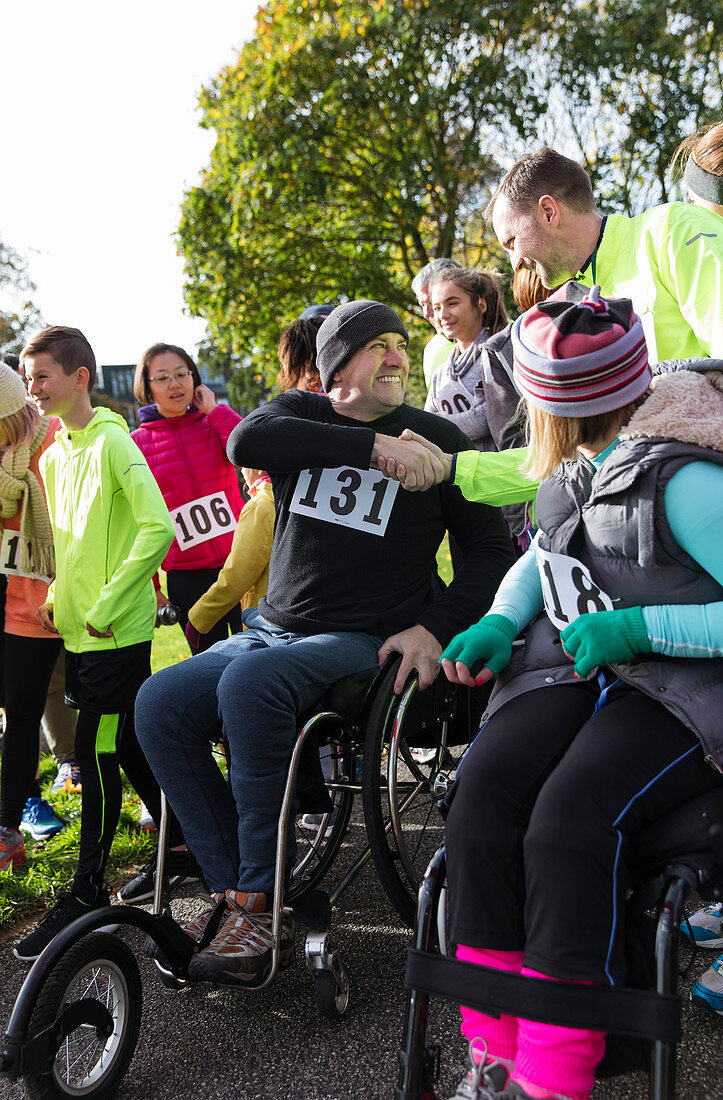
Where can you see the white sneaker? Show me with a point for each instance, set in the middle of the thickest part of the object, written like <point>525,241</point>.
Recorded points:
<point>706,926</point>
<point>146,822</point>
<point>67,779</point>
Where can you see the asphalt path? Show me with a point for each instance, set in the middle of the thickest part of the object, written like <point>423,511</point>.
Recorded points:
<point>204,1042</point>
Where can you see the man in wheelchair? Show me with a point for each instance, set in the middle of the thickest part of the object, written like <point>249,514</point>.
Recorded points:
<point>353,578</point>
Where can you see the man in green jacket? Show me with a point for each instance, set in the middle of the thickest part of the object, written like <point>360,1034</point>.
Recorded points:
<point>669,260</point>
<point>111,530</point>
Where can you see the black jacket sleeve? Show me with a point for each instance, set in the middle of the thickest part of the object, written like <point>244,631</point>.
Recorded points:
<point>292,432</point>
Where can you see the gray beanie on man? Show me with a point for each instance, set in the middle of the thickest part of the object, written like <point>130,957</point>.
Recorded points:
<point>348,328</point>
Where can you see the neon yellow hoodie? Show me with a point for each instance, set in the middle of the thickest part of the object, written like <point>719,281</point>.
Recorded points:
<point>669,260</point>
<point>111,529</point>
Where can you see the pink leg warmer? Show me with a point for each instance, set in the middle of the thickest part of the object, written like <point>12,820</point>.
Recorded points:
<point>500,1035</point>
<point>560,1060</point>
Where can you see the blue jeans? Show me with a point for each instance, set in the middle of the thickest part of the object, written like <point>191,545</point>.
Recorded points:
<point>251,686</point>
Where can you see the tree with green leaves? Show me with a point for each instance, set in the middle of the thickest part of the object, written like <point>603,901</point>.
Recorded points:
<point>358,139</point>
<point>627,80</point>
<point>20,318</point>
<point>355,141</point>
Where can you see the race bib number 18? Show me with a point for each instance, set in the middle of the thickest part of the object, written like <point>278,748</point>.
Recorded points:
<point>568,589</point>
<point>202,519</point>
<point>361,499</point>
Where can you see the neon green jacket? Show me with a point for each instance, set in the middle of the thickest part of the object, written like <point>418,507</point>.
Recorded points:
<point>436,351</point>
<point>669,260</point>
<point>494,477</point>
<point>111,529</point>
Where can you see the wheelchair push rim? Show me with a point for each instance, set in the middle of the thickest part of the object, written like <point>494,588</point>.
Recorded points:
<point>402,788</point>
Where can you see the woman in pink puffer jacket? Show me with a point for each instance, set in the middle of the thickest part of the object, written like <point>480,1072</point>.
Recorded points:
<point>183,437</point>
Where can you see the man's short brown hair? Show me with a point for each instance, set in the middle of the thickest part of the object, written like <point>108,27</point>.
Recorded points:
<point>67,346</point>
<point>545,172</point>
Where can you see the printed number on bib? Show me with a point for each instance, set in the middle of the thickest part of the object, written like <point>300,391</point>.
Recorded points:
<point>568,588</point>
<point>9,558</point>
<point>361,499</point>
<point>202,519</point>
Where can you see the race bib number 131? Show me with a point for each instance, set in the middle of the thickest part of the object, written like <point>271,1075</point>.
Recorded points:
<point>568,588</point>
<point>361,499</point>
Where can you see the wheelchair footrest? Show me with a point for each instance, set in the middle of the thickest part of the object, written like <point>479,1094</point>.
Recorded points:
<point>313,910</point>
<point>620,1011</point>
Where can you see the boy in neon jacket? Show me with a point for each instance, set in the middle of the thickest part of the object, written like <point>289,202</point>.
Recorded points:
<point>111,530</point>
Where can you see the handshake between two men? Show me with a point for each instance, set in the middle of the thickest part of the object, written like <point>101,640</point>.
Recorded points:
<point>411,460</point>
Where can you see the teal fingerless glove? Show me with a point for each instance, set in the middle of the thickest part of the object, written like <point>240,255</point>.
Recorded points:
<point>604,637</point>
<point>490,641</point>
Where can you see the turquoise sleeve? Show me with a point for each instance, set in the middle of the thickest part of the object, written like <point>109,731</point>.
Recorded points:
<point>694,510</point>
<point>519,597</point>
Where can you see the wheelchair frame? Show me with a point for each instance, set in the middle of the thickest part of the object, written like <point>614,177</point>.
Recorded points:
<point>32,1054</point>
<point>654,1016</point>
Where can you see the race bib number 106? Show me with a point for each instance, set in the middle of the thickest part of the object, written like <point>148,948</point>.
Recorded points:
<point>202,519</point>
<point>361,499</point>
<point>568,589</point>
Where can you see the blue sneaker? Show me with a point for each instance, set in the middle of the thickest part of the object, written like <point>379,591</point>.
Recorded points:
<point>707,991</point>
<point>706,926</point>
<point>39,820</point>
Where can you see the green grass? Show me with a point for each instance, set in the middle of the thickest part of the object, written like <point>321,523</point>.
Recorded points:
<point>51,863</point>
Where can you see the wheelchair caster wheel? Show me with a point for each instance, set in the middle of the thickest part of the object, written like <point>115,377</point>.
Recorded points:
<point>85,1053</point>
<point>332,991</point>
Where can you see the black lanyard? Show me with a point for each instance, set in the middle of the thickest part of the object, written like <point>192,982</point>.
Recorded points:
<point>592,258</point>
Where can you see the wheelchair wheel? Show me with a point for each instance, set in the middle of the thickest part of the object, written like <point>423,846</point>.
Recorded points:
<point>319,836</point>
<point>407,771</point>
<point>88,1063</point>
<point>332,995</point>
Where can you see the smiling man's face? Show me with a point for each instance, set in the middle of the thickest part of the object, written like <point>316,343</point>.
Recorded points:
<point>531,241</point>
<point>374,380</point>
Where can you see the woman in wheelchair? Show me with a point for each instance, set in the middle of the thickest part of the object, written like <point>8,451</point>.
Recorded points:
<point>607,715</point>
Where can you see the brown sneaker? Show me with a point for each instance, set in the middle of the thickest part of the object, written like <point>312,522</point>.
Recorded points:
<point>194,928</point>
<point>241,951</point>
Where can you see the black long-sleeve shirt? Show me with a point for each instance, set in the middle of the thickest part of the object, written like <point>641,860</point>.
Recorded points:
<point>353,550</point>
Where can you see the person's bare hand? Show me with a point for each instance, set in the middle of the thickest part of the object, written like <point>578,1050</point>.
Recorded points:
<point>98,633</point>
<point>45,614</point>
<point>161,601</point>
<point>408,461</point>
<point>204,399</point>
<point>459,673</point>
<point>419,649</point>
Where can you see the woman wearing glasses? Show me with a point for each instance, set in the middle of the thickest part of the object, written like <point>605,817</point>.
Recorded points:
<point>183,436</point>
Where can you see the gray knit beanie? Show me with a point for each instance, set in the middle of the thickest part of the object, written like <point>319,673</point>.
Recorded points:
<point>348,328</point>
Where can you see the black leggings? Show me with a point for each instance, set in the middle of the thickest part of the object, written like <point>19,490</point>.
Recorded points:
<point>537,831</point>
<point>27,666</point>
<point>185,586</point>
<point>102,743</point>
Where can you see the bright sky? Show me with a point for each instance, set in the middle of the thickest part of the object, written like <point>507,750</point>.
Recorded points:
<point>100,137</point>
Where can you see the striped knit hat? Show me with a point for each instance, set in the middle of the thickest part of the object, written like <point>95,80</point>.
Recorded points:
<point>580,358</point>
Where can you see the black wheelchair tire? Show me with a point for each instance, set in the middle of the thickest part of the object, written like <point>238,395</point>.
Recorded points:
<point>331,998</point>
<point>422,826</point>
<point>97,956</point>
<point>320,851</point>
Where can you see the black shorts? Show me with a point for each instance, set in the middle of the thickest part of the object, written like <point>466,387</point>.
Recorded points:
<point>106,681</point>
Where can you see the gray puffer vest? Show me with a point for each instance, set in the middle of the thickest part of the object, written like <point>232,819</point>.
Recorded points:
<point>614,522</point>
